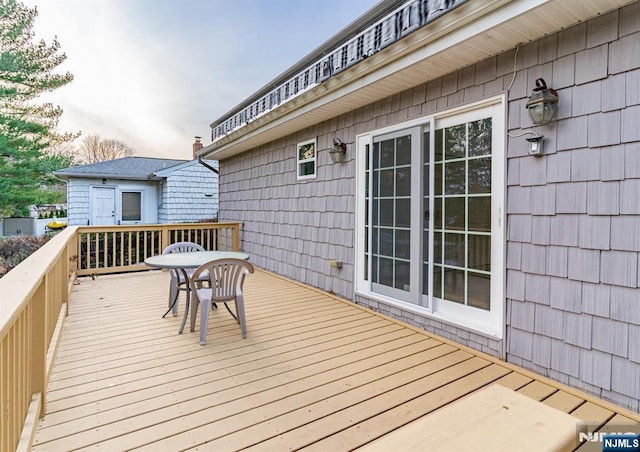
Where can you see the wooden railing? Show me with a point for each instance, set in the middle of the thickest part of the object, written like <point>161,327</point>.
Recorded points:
<point>34,297</point>
<point>113,249</point>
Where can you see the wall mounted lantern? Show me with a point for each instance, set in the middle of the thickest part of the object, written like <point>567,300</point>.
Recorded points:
<point>339,151</point>
<point>543,103</point>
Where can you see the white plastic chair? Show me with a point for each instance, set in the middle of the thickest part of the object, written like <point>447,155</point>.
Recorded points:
<point>178,282</point>
<point>226,278</point>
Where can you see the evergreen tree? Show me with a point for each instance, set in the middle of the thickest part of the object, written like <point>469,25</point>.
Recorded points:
<point>27,128</point>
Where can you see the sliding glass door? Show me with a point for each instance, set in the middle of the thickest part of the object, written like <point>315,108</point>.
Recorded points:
<point>433,205</point>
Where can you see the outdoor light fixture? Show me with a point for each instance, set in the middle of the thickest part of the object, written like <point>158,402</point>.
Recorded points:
<point>339,151</point>
<point>543,103</point>
<point>536,145</point>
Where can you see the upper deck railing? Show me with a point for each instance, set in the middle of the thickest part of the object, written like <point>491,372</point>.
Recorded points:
<point>399,23</point>
<point>34,296</point>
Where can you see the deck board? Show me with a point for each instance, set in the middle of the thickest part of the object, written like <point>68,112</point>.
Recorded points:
<point>315,372</point>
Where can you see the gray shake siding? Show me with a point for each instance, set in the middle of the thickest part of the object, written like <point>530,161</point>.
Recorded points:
<point>572,308</point>
<point>574,219</point>
<point>79,201</point>
<point>185,188</point>
<point>290,227</point>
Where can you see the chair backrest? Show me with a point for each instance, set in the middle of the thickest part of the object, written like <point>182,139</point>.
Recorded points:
<point>182,247</point>
<point>226,277</point>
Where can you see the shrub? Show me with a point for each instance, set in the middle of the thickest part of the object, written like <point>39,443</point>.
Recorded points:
<point>14,250</point>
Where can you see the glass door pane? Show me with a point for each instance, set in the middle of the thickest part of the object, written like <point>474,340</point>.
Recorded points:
<point>393,238</point>
<point>462,209</point>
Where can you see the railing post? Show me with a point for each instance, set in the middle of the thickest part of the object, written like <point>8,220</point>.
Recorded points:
<point>164,237</point>
<point>236,237</point>
<point>39,339</point>
<point>64,277</point>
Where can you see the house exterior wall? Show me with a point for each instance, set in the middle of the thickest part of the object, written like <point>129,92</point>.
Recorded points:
<point>573,309</point>
<point>79,201</point>
<point>294,227</point>
<point>79,198</point>
<point>189,194</point>
<point>573,214</point>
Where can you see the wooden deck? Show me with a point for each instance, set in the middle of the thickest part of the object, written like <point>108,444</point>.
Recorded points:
<point>315,372</point>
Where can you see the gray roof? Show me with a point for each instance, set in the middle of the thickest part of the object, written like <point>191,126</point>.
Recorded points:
<point>136,168</point>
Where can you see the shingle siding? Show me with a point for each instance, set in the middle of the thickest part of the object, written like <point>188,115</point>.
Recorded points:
<point>543,200</point>
<point>590,196</point>
<point>189,194</point>
<point>612,163</point>
<point>591,64</point>
<point>625,305</point>
<point>625,377</point>
<point>619,268</point>
<point>610,336</point>
<point>578,329</point>
<point>603,29</point>
<point>595,368</point>
<point>559,167</point>
<point>630,130</point>
<point>573,214</point>
<point>585,163</point>
<point>632,88</point>
<point>596,299</point>
<point>565,358</point>
<point>595,232</point>
<point>634,340</point>
<point>557,261</point>
<point>79,201</point>
<point>624,54</point>
<point>584,265</point>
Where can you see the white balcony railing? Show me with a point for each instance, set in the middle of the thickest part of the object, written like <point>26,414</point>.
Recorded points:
<point>399,23</point>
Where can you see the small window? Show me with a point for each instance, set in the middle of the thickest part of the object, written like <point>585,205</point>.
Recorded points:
<point>131,206</point>
<point>306,156</point>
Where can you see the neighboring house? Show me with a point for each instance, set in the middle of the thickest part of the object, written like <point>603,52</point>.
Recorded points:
<point>138,190</point>
<point>443,214</point>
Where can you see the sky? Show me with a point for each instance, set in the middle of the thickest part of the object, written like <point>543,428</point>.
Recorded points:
<point>155,73</point>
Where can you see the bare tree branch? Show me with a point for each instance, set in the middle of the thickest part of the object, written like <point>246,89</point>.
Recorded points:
<point>96,149</point>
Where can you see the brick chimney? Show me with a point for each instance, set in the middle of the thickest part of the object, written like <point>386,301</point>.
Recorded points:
<point>197,145</point>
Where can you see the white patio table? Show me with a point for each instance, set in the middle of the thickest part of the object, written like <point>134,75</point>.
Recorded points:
<point>186,261</point>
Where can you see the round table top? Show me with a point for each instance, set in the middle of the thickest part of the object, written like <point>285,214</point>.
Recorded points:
<point>192,259</point>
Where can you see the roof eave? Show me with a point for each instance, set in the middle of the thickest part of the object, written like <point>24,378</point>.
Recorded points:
<point>67,176</point>
<point>473,32</point>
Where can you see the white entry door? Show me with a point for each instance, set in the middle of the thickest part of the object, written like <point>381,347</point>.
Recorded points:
<point>103,206</point>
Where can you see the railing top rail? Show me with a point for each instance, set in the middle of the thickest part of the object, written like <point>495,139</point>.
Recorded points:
<point>18,286</point>
<point>156,227</point>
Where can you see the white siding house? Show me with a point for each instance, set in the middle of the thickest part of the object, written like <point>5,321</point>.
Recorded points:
<point>138,190</point>
<point>184,187</point>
